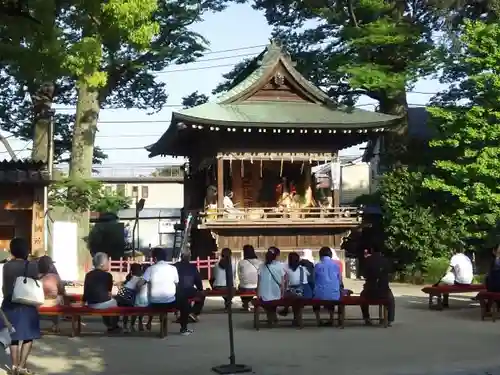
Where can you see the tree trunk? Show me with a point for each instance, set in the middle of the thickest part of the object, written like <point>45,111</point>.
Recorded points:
<point>42,107</point>
<point>40,141</point>
<point>87,112</point>
<point>394,145</point>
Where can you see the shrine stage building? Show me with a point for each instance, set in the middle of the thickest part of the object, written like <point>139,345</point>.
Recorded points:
<point>250,152</point>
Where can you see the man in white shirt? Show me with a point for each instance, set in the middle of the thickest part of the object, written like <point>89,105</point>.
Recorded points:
<point>162,279</point>
<point>460,271</point>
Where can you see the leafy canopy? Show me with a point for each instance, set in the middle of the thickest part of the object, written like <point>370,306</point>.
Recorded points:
<point>91,195</point>
<point>126,72</point>
<point>468,118</point>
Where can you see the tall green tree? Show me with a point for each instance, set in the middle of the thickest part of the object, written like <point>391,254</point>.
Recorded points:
<point>32,54</point>
<point>468,116</point>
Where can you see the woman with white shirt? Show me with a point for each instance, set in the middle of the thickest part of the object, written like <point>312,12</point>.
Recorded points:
<point>271,282</point>
<point>218,279</point>
<point>248,273</point>
<point>297,280</point>
<point>297,277</point>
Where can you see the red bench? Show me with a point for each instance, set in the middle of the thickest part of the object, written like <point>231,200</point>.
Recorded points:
<point>442,293</point>
<point>490,304</point>
<point>298,305</point>
<point>76,314</point>
<point>223,293</point>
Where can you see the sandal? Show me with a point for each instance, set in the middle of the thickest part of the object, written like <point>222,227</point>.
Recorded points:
<point>24,371</point>
<point>14,370</point>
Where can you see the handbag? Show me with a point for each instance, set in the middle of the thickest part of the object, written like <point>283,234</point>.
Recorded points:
<point>297,290</point>
<point>125,296</point>
<point>27,290</point>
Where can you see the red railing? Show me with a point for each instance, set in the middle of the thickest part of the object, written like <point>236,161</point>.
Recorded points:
<point>123,266</point>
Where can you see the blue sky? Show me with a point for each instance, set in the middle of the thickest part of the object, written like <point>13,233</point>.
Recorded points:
<point>237,27</point>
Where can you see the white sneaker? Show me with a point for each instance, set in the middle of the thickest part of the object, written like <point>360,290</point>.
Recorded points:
<point>186,332</point>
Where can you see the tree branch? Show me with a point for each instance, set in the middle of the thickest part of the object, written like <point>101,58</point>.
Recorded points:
<point>351,14</point>
<point>9,149</point>
<point>122,73</point>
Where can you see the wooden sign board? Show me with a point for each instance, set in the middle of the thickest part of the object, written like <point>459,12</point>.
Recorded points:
<point>38,223</point>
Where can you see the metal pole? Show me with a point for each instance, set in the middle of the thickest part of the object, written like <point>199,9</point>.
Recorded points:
<point>232,367</point>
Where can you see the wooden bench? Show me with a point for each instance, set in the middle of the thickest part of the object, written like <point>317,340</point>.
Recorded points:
<point>223,293</point>
<point>442,293</point>
<point>76,314</point>
<point>298,305</point>
<point>490,304</point>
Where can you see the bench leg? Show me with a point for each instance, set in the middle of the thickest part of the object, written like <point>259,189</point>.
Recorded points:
<point>380,314</point>
<point>439,304</point>
<point>256,317</point>
<point>299,316</point>
<point>494,311</point>
<point>430,301</point>
<point>341,316</point>
<point>79,325</point>
<point>386,316</point>
<point>484,308</point>
<point>163,325</point>
<point>446,300</point>
<point>74,326</point>
<point>317,313</point>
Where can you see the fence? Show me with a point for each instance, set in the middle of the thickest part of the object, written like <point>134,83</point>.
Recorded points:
<point>122,266</point>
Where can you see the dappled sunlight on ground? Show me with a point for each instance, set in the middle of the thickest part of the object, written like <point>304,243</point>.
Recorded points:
<point>420,342</point>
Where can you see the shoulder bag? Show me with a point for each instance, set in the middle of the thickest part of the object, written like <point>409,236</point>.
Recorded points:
<point>297,290</point>
<point>27,290</point>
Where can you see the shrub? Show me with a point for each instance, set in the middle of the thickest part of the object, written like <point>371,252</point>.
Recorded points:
<point>434,269</point>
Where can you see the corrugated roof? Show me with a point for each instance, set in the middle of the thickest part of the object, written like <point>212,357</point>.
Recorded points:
<point>23,171</point>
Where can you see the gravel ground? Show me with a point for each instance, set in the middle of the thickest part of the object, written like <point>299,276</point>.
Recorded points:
<point>420,342</point>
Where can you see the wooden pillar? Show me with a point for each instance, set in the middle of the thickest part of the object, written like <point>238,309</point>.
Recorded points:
<point>37,223</point>
<point>336,180</point>
<point>309,199</point>
<point>256,183</point>
<point>220,183</point>
<point>237,182</point>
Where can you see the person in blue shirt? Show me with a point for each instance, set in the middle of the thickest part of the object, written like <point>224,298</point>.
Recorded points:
<point>327,279</point>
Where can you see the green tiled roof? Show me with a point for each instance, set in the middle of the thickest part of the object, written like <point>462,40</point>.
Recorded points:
<point>267,61</point>
<point>283,114</point>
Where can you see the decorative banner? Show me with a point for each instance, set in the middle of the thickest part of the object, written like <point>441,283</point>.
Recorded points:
<point>335,172</point>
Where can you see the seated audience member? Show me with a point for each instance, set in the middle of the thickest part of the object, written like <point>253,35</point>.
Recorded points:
<point>218,280</point>
<point>492,280</point>
<point>53,287</point>
<point>127,295</point>
<point>376,272</point>
<point>97,289</point>
<point>460,271</point>
<point>297,285</point>
<point>327,279</point>
<point>271,282</point>
<point>190,285</point>
<point>141,300</point>
<point>248,274</point>
<point>162,279</point>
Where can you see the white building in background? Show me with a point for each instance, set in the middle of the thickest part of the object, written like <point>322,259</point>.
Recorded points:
<point>163,195</point>
<point>354,178</point>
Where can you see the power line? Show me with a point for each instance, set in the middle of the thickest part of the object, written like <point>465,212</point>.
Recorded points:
<point>235,49</point>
